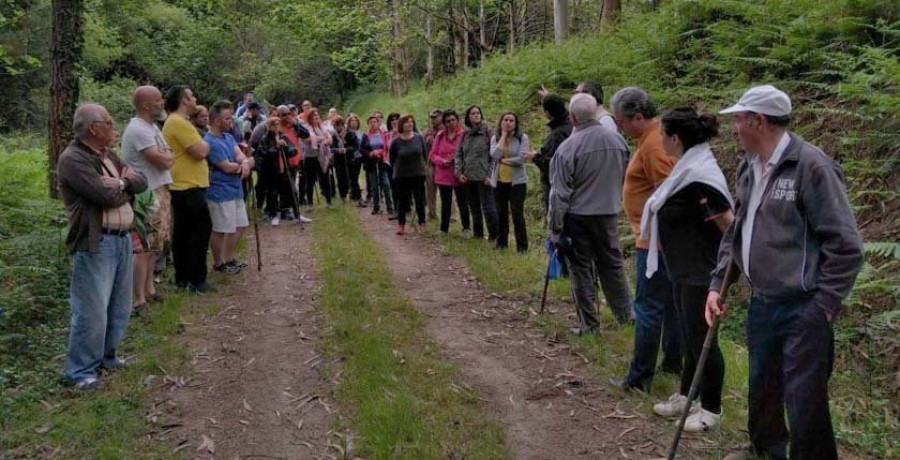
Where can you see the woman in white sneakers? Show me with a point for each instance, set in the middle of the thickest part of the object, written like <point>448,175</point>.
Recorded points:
<point>687,216</point>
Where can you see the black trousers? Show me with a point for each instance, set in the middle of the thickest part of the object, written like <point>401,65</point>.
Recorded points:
<point>313,173</point>
<point>480,199</point>
<point>192,227</point>
<point>353,170</point>
<point>791,347</point>
<point>407,189</point>
<point>545,193</point>
<point>447,192</point>
<point>690,301</point>
<point>595,244</point>
<point>511,198</point>
<point>342,173</point>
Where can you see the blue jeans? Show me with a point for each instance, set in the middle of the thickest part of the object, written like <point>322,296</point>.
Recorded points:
<point>655,315</point>
<point>100,296</point>
<point>382,187</point>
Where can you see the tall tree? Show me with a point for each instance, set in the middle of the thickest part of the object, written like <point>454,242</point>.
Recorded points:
<point>561,20</point>
<point>609,12</point>
<point>67,43</point>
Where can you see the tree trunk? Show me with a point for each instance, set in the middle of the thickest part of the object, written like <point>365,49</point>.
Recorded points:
<point>398,54</point>
<point>561,20</point>
<point>512,26</point>
<point>429,61</point>
<point>465,40</point>
<point>609,13</point>
<point>66,44</point>
<point>481,33</point>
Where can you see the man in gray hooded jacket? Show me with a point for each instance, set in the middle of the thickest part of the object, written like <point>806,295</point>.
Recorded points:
<point>795,238</point>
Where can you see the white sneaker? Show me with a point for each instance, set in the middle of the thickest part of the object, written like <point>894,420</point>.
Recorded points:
<point>672,407</point>
<point>275,221</point>
<point>702,420</point>
<point>305,219</point>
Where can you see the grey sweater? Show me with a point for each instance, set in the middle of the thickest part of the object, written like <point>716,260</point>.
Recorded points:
<point>586,174</point>
<point>408,156</point>
<point>805,240</point>
<point>473,154</point>
<point>517,150</point>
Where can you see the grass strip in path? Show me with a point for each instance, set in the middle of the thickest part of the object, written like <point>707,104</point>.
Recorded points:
<point>409,403</point>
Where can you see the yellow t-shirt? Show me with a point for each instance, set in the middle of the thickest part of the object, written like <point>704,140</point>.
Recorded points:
<point>187,171</point>
<point>505,174</point>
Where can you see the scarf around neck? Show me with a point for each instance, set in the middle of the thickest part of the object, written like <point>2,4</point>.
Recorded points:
<point>698,164</point>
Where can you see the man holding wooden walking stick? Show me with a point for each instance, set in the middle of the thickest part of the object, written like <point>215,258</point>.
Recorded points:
<point>795,238</point>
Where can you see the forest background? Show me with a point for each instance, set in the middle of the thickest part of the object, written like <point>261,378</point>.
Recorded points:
<point>839,60</point>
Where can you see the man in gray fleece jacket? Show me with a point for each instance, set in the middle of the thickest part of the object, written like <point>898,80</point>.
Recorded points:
<point>586,177</point>
<point>795,238</point>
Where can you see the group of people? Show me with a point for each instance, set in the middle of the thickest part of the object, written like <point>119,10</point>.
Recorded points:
<point>789,229</point>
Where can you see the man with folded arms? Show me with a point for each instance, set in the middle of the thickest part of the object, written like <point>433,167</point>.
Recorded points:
<point>97,189</point>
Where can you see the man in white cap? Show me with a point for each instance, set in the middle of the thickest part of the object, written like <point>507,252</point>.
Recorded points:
<point>795,238</point>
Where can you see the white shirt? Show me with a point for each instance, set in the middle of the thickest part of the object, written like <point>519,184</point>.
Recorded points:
<point>761,174</point>
<point>140,135</point>
<point>606,120</point>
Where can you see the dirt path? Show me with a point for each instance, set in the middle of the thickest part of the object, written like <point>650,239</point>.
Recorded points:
<point>254,389</point>
<point>534,386</point>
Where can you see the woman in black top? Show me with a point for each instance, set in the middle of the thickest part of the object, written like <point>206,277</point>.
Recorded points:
<point>408,155</point>
<point>344,148</point>
<point>269,150</point>
<point>687,216</point>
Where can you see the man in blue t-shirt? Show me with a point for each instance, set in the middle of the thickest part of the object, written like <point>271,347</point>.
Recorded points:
<point>227,167</point>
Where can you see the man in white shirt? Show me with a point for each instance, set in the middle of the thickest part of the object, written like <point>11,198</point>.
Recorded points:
<point>145,150</point>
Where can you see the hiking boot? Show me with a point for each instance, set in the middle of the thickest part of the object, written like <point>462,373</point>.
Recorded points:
<point>702,420</point>
<point>287,215</point>
<point>376,211</point>
<point>400,229</point>
<point>227,268</point>
<point>625,385</point>
<point>361,204</point>
<point>202,288</point>
<point>672,407</point>
<point>239,264</point>
<point>87,384</point>
<point>113,364</point>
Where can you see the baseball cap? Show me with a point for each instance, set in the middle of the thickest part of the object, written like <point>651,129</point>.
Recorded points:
<point>765,100</point>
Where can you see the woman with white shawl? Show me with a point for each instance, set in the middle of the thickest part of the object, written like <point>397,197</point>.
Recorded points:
<point>686,218</point>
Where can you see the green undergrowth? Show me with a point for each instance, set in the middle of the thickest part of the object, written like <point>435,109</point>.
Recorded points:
<point>407,402</point>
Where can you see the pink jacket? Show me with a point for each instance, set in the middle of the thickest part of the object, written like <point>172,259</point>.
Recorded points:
<point>442,156</point>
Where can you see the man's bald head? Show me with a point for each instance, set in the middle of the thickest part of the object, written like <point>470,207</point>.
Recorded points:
<point>148,102</point>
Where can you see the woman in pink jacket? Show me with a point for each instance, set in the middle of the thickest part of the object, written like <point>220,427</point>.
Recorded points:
<point>443,153</point>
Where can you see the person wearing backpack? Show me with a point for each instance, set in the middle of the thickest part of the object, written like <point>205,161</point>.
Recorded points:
<point>473,170</point>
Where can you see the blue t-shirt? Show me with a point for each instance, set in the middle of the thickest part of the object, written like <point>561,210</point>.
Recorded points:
<point>222,186</point>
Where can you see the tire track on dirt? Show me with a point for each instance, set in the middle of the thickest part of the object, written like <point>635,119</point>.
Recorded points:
<point>254,388</point>
<point>534,386</point>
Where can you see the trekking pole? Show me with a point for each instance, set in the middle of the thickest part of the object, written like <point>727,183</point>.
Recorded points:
<point>252,199</point>
<point>547,279</point>
<point>701,362</point>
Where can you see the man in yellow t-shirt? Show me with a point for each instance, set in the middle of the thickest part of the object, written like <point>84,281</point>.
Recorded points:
<point>190,179</point>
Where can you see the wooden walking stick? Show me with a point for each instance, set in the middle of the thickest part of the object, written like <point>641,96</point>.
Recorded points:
<point>547,278</point>
<point>252,198</point>
<point>701,362</point>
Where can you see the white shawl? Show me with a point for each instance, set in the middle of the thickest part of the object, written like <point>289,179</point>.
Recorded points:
<point>696,165</point>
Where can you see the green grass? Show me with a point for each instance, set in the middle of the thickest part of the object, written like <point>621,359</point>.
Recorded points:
<point>407,401</point>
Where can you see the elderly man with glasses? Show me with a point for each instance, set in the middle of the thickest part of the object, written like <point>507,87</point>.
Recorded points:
<point>97,189</point>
